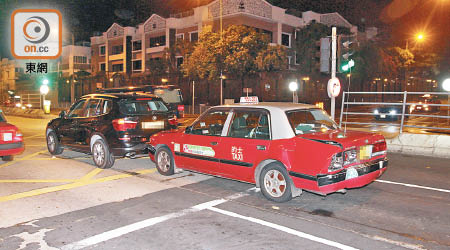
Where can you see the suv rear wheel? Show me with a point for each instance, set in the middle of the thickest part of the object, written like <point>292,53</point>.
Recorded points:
<point>101,155</point>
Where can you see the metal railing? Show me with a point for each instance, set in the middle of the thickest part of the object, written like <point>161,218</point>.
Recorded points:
<point>406,100</point>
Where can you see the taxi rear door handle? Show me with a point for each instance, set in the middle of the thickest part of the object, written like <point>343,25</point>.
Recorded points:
<point>213,143</point>
<point>261,147</point>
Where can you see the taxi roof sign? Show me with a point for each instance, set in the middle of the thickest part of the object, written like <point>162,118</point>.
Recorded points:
<point>249,100</point>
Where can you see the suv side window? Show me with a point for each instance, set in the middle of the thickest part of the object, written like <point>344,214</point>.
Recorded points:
<point>211,123</point>
<point>93,108</point>
<point>107,106</point>
<point>77,110</point>
<point>250,124</point>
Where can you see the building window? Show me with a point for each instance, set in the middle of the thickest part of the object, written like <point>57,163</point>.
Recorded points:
<point>117,50</point>
<point>117,67</point>
<point>154,26</point>
<point>137,45</point>
<point>289,61</point>
<point>102,66</point>
<point>286,39</point>
<point>180,60</point>
<point>137,65</point>
<point>180,37</point>
<point>193,36</point>
<point>157,41</point>
<point>297,58</point>
<point>79,59</point>
<point>102,50</point>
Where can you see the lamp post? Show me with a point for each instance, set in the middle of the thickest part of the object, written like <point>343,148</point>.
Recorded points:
<point>293,86</point>
<point>221,30</point>
<point>419,38</point>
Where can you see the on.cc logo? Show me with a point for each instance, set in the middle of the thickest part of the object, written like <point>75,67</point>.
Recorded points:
<point>36,29</point>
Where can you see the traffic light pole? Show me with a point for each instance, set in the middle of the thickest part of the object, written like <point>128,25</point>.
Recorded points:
<point>333,67</point>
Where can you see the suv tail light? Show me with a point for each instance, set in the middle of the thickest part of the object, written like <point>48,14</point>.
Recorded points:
<point>124,124</point>
<point>379,148</point>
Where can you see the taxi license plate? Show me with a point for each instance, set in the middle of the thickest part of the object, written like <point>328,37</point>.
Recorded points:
<point>383,116</point>
<point>153,125</point>
<point>7,137</point>
<point>365,152</point>
<point>351,173</point>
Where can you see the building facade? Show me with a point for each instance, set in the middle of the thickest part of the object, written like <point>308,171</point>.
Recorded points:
<point>131,50</point>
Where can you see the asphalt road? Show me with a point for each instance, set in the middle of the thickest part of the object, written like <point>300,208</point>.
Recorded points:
<point>64,202</point>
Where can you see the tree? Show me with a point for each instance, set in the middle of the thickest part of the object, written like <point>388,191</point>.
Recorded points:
<point>240,53</point>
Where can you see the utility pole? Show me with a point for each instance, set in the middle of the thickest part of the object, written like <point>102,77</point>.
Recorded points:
<point>221,76</point>
<point>333,67</point>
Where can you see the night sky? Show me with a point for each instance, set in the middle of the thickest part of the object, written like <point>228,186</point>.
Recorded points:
<point>396,19</point>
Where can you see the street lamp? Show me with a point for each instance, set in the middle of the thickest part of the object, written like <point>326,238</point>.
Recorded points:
<point>222,77</point>
<point>293,86</point>
<point>419,37</point>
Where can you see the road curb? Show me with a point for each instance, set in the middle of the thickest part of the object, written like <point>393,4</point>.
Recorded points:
<point>29,113</point>
<point>420,144</point>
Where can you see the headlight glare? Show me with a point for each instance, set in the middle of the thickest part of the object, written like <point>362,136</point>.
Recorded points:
<point>336,162</point>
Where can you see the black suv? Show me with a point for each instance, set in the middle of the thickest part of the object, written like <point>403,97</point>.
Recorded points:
<point>109,125</point>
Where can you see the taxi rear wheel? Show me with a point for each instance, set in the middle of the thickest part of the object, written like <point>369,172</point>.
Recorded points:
<point>164,161</point>
<point>275,183</point>
<point>8,158</point>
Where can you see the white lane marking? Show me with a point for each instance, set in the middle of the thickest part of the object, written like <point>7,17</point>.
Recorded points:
<point>108,235</point>
<point>414,186</point>
<point>398,243</point>
<point>284,229</point>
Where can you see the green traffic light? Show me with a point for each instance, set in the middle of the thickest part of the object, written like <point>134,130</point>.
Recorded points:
<point>348,65</point>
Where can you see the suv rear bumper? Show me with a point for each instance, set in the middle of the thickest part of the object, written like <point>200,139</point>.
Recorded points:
<point>138,149</point>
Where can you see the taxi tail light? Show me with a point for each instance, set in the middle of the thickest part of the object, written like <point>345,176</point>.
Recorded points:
<point>337,162</point>
<point>18,136</point>
<point>124,124</point>
<point>379,148</point>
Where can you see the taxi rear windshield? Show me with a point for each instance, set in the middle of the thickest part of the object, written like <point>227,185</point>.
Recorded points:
<point>307,121</point>
<point>141,107</point>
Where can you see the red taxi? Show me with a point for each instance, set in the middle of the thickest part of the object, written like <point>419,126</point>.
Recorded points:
<point>283,148</point>
<point>11,140</point>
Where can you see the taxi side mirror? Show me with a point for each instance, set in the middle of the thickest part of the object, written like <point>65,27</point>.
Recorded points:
<point>62,114</point>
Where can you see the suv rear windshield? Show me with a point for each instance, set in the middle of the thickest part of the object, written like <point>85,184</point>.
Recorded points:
<point>306,121</point>
<point>169,95</point>
<point>141,107</point>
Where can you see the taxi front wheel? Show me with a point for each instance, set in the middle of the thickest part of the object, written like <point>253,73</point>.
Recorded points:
<point>164,161</point>
<point>275,183</point>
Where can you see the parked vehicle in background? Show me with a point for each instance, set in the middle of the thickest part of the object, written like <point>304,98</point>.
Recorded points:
<point>388,112</point>
<point>424,104</point>
<point>281,147</point>
<point>109,125</point>
<point>170,94</point>
<point>11,140</point>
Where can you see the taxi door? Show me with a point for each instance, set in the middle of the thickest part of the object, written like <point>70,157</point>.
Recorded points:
<point>246,143</point>
<point>198,147</point>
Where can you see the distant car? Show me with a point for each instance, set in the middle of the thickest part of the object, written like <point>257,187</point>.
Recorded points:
<point>423,104</point>
<point>170,94</point>
<point>11,140</point>
<point>109,125</point>
<point>388,112</point>
<point>281,147</point>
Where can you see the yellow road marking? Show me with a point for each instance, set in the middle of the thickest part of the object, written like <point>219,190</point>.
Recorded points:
<point>91,174</point>
<point>31,136</point>
<point>71,185</point>
<point>22,159</point>
<point>37,181</point>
